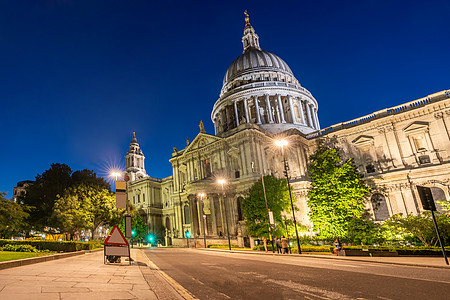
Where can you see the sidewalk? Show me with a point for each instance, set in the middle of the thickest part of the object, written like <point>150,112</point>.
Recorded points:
<point>85,277</point>
<point>416,261</point>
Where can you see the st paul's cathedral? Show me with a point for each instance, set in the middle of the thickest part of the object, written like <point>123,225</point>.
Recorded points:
<point>396,149</point>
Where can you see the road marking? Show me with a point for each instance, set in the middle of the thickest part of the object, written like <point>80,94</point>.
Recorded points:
<point>310,290</point>
<point>178,287</point>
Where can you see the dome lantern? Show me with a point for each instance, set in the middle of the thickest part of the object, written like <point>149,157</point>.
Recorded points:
<point>250,40</point>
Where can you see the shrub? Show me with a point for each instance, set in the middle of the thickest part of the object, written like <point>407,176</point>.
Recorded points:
<point>19,248</point>
<point>54,246</point>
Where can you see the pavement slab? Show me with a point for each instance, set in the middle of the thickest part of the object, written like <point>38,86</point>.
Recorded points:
<point>84,277</point>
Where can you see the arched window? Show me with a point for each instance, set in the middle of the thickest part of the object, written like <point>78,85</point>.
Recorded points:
<point>380,208</point>
<point>240,200</point>
<point>438,195</point>
<point>167,223</point>
<point>187,219</point>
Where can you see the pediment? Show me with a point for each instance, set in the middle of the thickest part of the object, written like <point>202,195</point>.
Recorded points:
<point>418,126</point>
<point>200,141</point>
<point>363,141</point>
<point>234,152</point>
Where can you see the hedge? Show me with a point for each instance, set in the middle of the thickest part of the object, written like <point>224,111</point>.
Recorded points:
<point>220,246</point>
<point>55,246</point>
<point>404,250</point>
<point>306,248</point>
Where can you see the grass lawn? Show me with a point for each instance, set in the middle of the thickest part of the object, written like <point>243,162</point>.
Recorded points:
<point>8,255</point>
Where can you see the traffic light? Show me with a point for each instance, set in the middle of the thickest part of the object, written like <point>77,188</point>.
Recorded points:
<point>133,233</point>
<point>150,238</point>
<point>188,234</point>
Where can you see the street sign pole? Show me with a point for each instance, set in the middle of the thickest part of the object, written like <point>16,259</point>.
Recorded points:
<point>439,237</point>
<point>426,197</point>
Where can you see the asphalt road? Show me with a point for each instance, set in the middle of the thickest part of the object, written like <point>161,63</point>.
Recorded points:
<point>221,275</point>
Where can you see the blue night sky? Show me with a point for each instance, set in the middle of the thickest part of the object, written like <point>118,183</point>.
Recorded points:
<point>78,77</point>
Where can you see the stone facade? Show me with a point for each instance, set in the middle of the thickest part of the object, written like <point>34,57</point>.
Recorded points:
<point>396,149</point>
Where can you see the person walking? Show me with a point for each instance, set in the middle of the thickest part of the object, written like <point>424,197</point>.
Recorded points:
<point>265,243</point>
<point>284,244</point>
<point>278,243</point>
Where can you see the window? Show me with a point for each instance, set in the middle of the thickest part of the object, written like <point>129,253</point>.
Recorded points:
<point>237,174</point>
<point>187,219</point>
<point>143,197</point>
<point>139,198</point>
<point>380,208</point>
<point>424,159</point>
<point>370,168</point>
<point>134,199</point>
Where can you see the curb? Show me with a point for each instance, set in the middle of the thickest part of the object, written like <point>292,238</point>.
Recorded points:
<point>35,260</point>
<point>330,257</point>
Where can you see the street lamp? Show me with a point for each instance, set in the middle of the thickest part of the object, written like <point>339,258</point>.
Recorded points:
<point>201,195</point>
<point>267,208</point>
<point>282,143</point>
<point>115,175</point>
<point>222,182</point>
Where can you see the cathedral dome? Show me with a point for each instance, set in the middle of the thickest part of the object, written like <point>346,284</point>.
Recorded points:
<point>254,60</point>
<point>259,88</point>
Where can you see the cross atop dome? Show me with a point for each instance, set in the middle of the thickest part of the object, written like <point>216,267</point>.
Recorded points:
<point>250,40</point>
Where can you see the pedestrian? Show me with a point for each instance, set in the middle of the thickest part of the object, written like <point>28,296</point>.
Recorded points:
<point>265,243</point>
<point>284,244</point>
<point>278,243</point>
<point>337,247</point>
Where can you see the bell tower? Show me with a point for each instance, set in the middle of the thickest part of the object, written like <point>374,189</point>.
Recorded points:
<point>135,160</point>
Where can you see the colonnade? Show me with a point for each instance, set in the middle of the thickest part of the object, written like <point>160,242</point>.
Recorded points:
<point>267,109</point>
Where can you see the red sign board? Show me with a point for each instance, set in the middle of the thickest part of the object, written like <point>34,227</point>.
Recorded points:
<point>116,238</point>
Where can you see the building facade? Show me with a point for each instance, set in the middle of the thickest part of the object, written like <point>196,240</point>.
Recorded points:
<point>396,149</point>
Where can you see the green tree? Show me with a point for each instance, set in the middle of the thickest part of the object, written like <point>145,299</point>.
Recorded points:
<point>84,207</point>
<point>42,194</point>
<point>137,224</point>
<point>419,228</point>
<point>12,217</point>
<point>51,185</point>
<point>254,207</point>
<point>364,231</point>
<point>337,193</point>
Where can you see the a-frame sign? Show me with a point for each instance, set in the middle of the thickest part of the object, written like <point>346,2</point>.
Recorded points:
<point>116,238</point>
<point>116,245</point>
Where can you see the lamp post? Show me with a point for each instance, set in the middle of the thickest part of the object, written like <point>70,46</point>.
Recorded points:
<point>222,182</point>
<point>267,207</point>
<point>201,195</point>
<point>282,143</point>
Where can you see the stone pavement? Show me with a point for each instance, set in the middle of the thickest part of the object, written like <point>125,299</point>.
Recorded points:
<point>85,277</point>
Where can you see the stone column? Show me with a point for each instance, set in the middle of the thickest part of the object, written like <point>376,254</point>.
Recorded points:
<point>258,117</point>
<point>236,113</point>
<point>200,217</point>
<point>280,106</point>
<point>292,109</point>
<point>302,113</point>
<point>316,118</point>
<point>269,109</point>
<point>246,110</point>
<point>308,113</point>
<point>444,134</point>
<point>213,216</point>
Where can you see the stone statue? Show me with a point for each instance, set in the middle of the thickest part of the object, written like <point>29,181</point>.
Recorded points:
<point>188,141</point>
<point>175,149</point>
<point>202,127</point>
<point>261,114</point>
